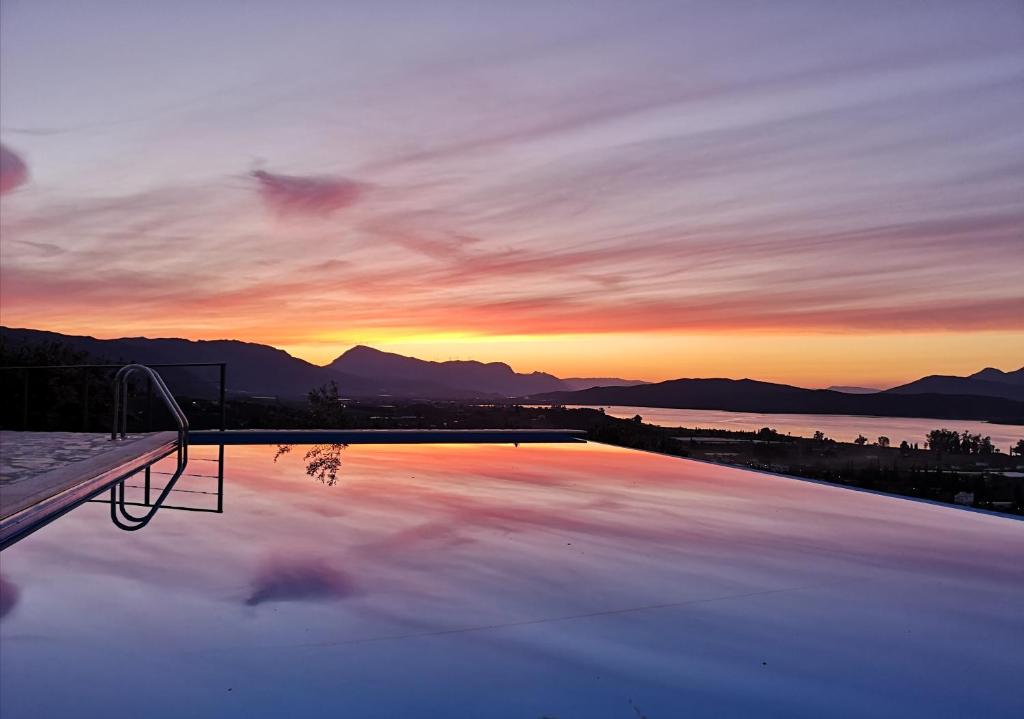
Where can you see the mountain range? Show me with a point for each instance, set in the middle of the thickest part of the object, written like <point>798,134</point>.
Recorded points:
<point>264,371</point>
<point>747,395</point>
<point>989,382</point>
<point>257,370</point>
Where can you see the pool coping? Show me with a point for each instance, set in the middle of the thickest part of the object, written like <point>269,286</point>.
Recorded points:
<point>383,436</point>
<point>66,487</point>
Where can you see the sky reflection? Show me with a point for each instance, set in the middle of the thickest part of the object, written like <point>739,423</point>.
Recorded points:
<point>560,580</point>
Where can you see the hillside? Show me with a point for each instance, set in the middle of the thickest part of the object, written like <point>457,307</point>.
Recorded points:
<point>253,369</point>
<point>262,370</point>
<point>988,382</point>
<point>752,396</point>
<point>487,379</point>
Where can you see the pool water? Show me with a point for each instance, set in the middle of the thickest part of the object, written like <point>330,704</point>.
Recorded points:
<point>562,580</point>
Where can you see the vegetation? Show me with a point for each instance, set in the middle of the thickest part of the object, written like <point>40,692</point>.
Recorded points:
<point>950,442</point>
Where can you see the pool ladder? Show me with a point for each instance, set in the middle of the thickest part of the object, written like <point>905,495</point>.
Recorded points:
<point>119,513</point>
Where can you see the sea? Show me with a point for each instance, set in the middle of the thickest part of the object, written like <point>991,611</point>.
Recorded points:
<point>840,427</point>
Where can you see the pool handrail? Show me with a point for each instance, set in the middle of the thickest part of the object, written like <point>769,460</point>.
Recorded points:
<point>127,520</point>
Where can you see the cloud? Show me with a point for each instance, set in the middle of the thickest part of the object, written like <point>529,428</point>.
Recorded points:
<point>288,580</point>
<point>13,170</point>
<point>48,249</point>
<point>315,196</point>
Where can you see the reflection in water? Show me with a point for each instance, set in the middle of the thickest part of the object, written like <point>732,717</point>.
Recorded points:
<point>458,580</point>
<point>142,490</point>
<point>322,461</point>
<point>8,596</point>
<point>285,579</point>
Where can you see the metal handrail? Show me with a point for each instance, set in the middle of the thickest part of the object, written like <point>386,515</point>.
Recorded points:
<point>121,403</point>
<point>117,492</point>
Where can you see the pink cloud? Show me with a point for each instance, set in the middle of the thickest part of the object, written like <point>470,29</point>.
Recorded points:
<point>316,196</point>
<point>13,170</point>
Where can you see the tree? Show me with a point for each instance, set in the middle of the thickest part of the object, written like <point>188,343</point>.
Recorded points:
<point>819,436</point>
<point>883,441</point>
<point>326,407</point>
<point>970,443</point>
<point>944,440</point>
<point>861,440</point>
<point>904,447</point>
<point>638,419</point>
<point>1018,448</point>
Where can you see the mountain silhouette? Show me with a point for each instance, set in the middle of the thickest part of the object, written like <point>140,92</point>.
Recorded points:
<point>989,382</point>
<point>261,370</point>
<point>367,373</point>
<point>490,378</point>
<point>746,395</point>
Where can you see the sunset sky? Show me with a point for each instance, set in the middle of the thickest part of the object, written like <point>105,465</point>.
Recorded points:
<point>810,192</point>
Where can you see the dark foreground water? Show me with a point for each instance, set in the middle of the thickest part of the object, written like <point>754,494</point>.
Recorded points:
<point>494,581</point>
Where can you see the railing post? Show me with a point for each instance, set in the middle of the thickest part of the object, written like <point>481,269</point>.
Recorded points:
<point>223,406</point>
<point>85,400</point>
<point>124,407</point>
<point>220,479</point>
<point>24,400</point>
<point>149,404</point>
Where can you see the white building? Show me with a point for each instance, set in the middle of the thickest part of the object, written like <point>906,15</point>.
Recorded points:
<point>966,498</point>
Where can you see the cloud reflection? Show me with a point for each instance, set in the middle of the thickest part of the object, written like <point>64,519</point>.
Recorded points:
<point>9,595</point>
<point>298,579</point>
<point>13,170</point>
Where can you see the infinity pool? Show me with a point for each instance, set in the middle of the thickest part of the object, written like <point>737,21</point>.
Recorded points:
<point>564,580</point>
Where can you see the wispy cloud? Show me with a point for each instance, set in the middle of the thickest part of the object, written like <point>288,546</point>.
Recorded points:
<point>315,196</point>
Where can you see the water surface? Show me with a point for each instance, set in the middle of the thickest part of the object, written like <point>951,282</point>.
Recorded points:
<point>840,427</point>
<point>495,581</point>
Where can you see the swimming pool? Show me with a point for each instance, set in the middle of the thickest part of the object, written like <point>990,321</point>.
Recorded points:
<point>563,580</point>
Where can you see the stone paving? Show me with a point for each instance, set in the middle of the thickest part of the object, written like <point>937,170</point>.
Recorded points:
<point>34,465</point>
<point>25,454</point>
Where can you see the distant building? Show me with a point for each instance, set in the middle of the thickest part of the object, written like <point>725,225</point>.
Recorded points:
<point>965,498</point>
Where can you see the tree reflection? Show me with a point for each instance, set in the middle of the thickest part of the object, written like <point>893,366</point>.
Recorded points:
<point>322,461</point>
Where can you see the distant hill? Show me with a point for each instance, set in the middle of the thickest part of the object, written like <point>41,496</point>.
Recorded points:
<point>991,374</point>
<point>253,369</point>
<point>365,373</point>
<point>989,382</point>
<point>261,370</point>
<point>748,395</point>
<point>575,383</point>
<point>852,390</point>
<point>490,378</point>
